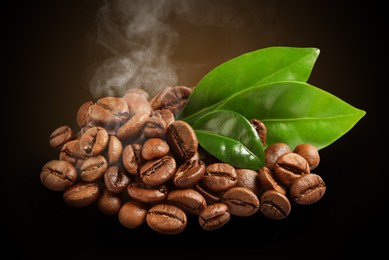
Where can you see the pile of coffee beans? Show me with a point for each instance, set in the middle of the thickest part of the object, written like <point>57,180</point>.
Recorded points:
<point>132,158</point>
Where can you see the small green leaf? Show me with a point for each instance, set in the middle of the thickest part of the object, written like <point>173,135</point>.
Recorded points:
<point>250,69</point>
<point>231,138</point>
<point>295,112</point>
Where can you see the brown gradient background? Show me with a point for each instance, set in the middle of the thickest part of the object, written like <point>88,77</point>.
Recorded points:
<point>49,45</point>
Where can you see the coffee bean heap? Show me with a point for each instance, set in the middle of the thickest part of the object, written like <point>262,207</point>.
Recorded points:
<point>133,159</point>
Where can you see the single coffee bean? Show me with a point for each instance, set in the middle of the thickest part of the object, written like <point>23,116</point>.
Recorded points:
<point>166,114</point>
<point>129,160</point>
<point>93,168</point>
<point>172,98</point>
<point>268,181</point>
<point>132,214</point>
<point>145,193</point>
<point>289,167</point>
<point>109,112</point>
<point>60,136</point>
<point>274,205</point>
<point>137,101</point>
<point>211,197</point>
<point>133,127</point>
<point>189,200</point>
<point>273,152</point>
<point>154,148</point>
<point>109,203</point>
<point>189,173</point>
<point>248,179</point>
<point>310,153</point>
<point>83,113</point>
<point>214,216</point>
<point>166,219</point>
<point>241,201</point>
<point>155,127</point>
<point>71,152</point>
<point>261,129</point>
<point>158,171</point>
<point>58,175</point>
<point>182,140</point>
<point>94,141</point>
<point>219,177</point>
<point>114,150</point>
<point>308,189</point>
<point>81,194</point>
<point>115,179</point>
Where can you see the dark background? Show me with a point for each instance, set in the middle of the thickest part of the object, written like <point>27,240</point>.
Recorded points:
<point>49,45</point>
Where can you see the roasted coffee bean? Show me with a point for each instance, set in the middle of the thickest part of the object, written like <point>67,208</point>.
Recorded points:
<point>268,182</point>
<point>273,152</point>
<point>145,193</point>
<point>94,141</point>
<point>132,214</point>
<point>60,136</point>
<point>310,153</point>
<point>308,189</point>
<point>58,175</point>
<point>109,203</point>
<point>158,171</point>
<point>241,201</point>
<point>137,149</point>
<point>83,113</point>
<point>248,178</point>
<point>133,127</point>
<point>182,140</point>
<point>114,150</point>
<point>211,197</point>
<point>274,205</point>
<point>166,219</point>
<point>214,216</point>
<point>93,168</point>
<point>154,148</point>
<point>289,167</point>
<point>81,194</point>
<point>71,152</point>
<point>109,112</point>
<point>137,101</point>
<point>141,92</point>
<point>219,177</point>
<point>155,127</point>
<point>129,160</point>
<point>189,173</point>
<point>189,200</point>
<point>115,179</point>
<point>261,129</point>
<point>171,98</point>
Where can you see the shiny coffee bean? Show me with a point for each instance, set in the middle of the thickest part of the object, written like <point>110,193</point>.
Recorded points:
<point>182,140</point>
<point>289,167</point>
<point>189,200</point>
<point>219,177</point>
<point>147,194</point>
<point>171,98</point>
<point>109,203</point>
<point>241,201</point>
<point>94,141</point>
<point>129,160</point>
<point>60,136</point>
<point>93,168</point>
<point>115,179</point>
<point>211,197</point>
<point>268,182</point>
<point>261,129</point>
<point>189,173</point>
<point>310,153</point>
<point>155,127</point>
<point>137,101</point>
<point>308,189</point>
<point>83,113</point>
<point>166,219</point>
<point>132,214</point>
<point>158,171</point>
<point>214,216</point>
<point>132,129</point>
<point>273,152</point>
<point>248,179</point>
<point>154,148</point>
<point>81,194</point>
<point>109,112</point>
<point>71,152</point>
<point>274,205</point>
<point>58,175</point>
<point>114,150</point>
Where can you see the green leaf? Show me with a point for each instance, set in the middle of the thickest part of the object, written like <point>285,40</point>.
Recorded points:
<point>295,112</point>
<point>262,66</point>
<point>231,138</point>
